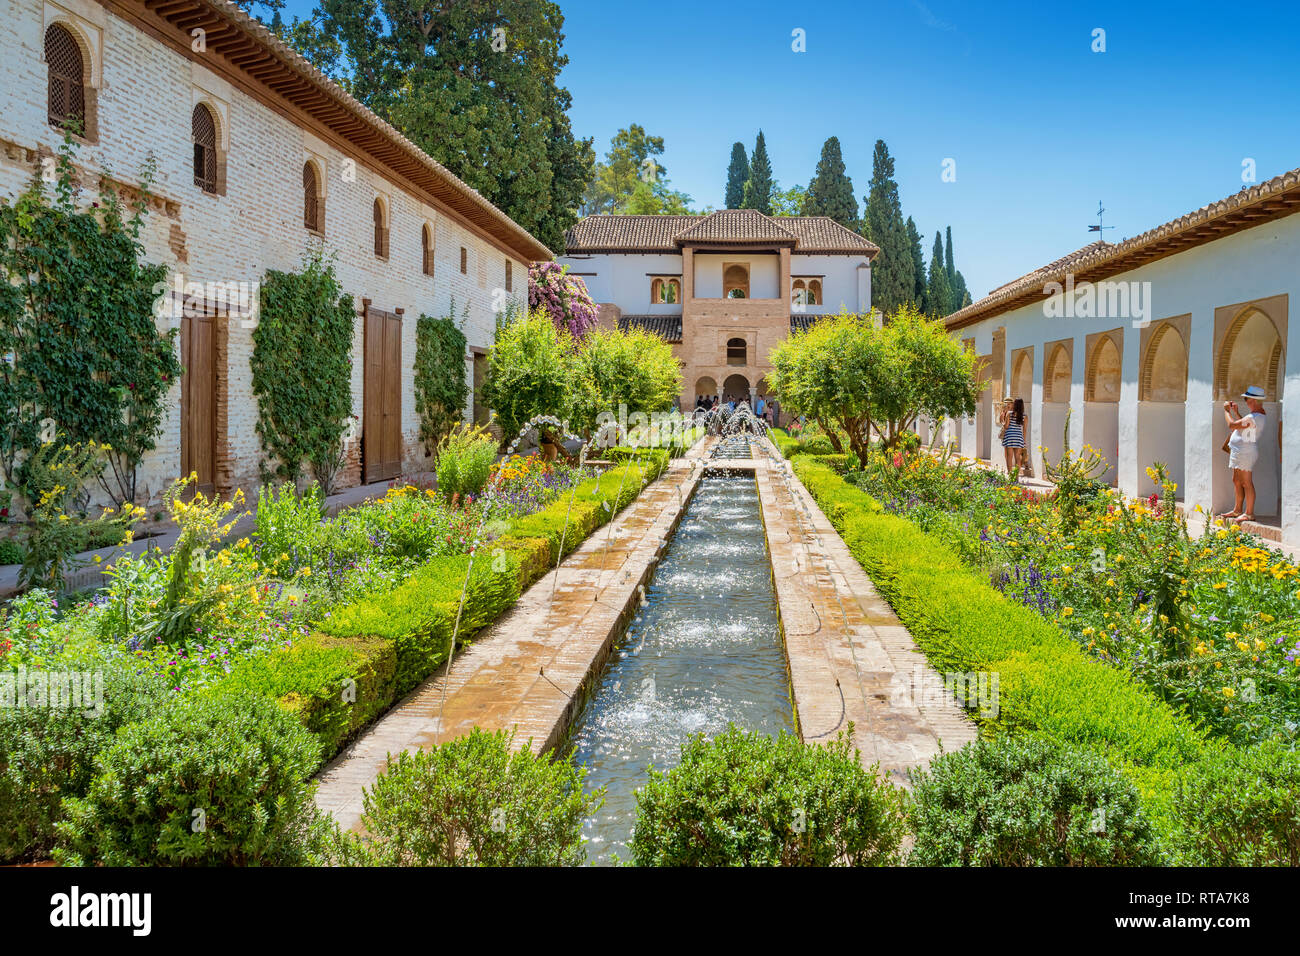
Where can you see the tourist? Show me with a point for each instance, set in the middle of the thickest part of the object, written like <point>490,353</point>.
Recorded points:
<point>1243,451</point>
<point>1012,420</point>
<point>774,410</point>
<point>760,408</point>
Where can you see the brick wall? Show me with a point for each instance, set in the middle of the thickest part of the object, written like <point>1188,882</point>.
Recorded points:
<point>147,95</point>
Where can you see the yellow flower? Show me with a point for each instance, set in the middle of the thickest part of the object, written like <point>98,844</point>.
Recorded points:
<point>1066,611</point>
<point>1220,585</point>
<point>1229,692</point>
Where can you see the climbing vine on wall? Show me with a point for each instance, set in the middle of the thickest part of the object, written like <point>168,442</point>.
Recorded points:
<point>302,371</point>
<point>81,353</point>
<point>440,386</point>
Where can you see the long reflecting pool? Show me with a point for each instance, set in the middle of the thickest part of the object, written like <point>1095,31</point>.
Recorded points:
<point>704,650</point>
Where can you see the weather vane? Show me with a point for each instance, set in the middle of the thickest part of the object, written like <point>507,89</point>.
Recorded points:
<point>1099,228</point>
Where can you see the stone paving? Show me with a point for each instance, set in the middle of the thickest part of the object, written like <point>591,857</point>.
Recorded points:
<point>850,658</point>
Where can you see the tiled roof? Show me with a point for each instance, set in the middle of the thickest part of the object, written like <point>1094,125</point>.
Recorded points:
<point>667,327</point>
<point>736,225</point>
<point>626,233</point>
<point>823,234</point>
<point>803,322</point>
<point>1265,202</point>
<point>237,42</point>
<point>666,234</point>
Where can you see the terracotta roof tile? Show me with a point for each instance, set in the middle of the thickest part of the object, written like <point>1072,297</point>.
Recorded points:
<point>666,234</point>
<point>667,327</point>
<point>1265,202</point>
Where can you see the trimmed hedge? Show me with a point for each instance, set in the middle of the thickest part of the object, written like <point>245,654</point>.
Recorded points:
<point>369,654</point>
<point>1201,795</point>
<point>1047,685</point>
<point>786,444</point>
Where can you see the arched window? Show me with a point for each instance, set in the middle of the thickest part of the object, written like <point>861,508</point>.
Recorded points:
<point>426,240</point>
<point>203,130</point>
<point>736,352</point>
<point>313,206</point>
<point>381,230</point>
<point>656,290</point>
<point>735,281</point>
<point>67,80</point>
<point>799,292</point>
<point>815,292</point>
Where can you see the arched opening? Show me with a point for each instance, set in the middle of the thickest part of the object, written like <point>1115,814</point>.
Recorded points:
<point>203,131</point>
<point>1252,353</point>
<point>815,292</point>
<point>656,290</point>
<point>313,205</point>
<point>1022,387</point>
<point>426,242</point>
<point>66,64</point>
<point>381,229</point>
<point>735,281</point>
<point>705,387</point>
<point>984,408</point>
<point>735,389</point>
<point>1057,382</point>
<point>737,352</point>
<point>799,292</point>
<point>1162,409</point>
<point>1102,383</point>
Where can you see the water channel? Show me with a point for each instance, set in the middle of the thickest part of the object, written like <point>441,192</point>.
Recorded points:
<point>703,651</point>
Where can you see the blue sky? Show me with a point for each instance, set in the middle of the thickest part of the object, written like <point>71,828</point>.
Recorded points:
<point>1040,127</point>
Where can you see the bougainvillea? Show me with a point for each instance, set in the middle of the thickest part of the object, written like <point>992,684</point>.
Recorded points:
<point>563,297</point>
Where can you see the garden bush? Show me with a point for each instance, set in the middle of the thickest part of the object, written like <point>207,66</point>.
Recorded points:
<point>439,371</point>
<point>465,460</point>
<point>11,552</point>
<point>747,799</point>
<point>532,371</point>
<point>474,801</point>
<point>1017,801</point>
<point>1239,807</point>
<point>46,751</point>
<point>207,780</point>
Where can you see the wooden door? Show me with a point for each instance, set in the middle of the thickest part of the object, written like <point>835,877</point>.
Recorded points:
<point>381,425</point>
<point>199,401</point>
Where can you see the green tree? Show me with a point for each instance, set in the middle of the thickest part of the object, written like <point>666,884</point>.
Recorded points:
<point>788,202</point>
<point>947,257</point>
<point>635,368</point>
<point>863,380</point>
<point>759,186</point>
<point>918,263</point>
<point>473,84</point>
<point>441,388</point>
<point>631,180</point>
<point>938,297</point>
<point>831,191</point>
<point>532,370</point>
<point>893,280</point>
<point>737,175</point>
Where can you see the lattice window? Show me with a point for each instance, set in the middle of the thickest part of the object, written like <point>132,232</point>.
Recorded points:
<point>426,240</point>
<point>464,261</point>
<point>67,75</point>
<point>510,281</point>
<point>204,131</point>
<point>381,231</point>
<point>312,214</point>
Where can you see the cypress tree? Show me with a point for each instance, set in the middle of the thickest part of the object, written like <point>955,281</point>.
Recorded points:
<point>947,260</point>
<point>831,191</point>
<point>737,173</point>
<point>918,264</point>
<point>938,294</point>
<point>758,188</point>
<point>893,279</point>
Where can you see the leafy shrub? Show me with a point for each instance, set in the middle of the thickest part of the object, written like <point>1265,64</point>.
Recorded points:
<point>1017,801</point>
<point>1240,807</point>
<point>11,552</point>
<point>204,781</point>
<point>47,753</point>
<point>635,368</point>
<point>288,523</point>
<point>473,802</point>
<point>531,372</point>
<point>747,799</point>
<point>465,460</point>
<point>439,370</point>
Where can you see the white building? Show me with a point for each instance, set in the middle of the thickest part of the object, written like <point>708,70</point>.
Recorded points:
<point>723,288</point>
<point>1142,341</point>
<point>260,159</point>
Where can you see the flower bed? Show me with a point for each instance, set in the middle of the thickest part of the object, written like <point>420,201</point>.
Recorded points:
<point>335,619</point>
<point>1211,625</point>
